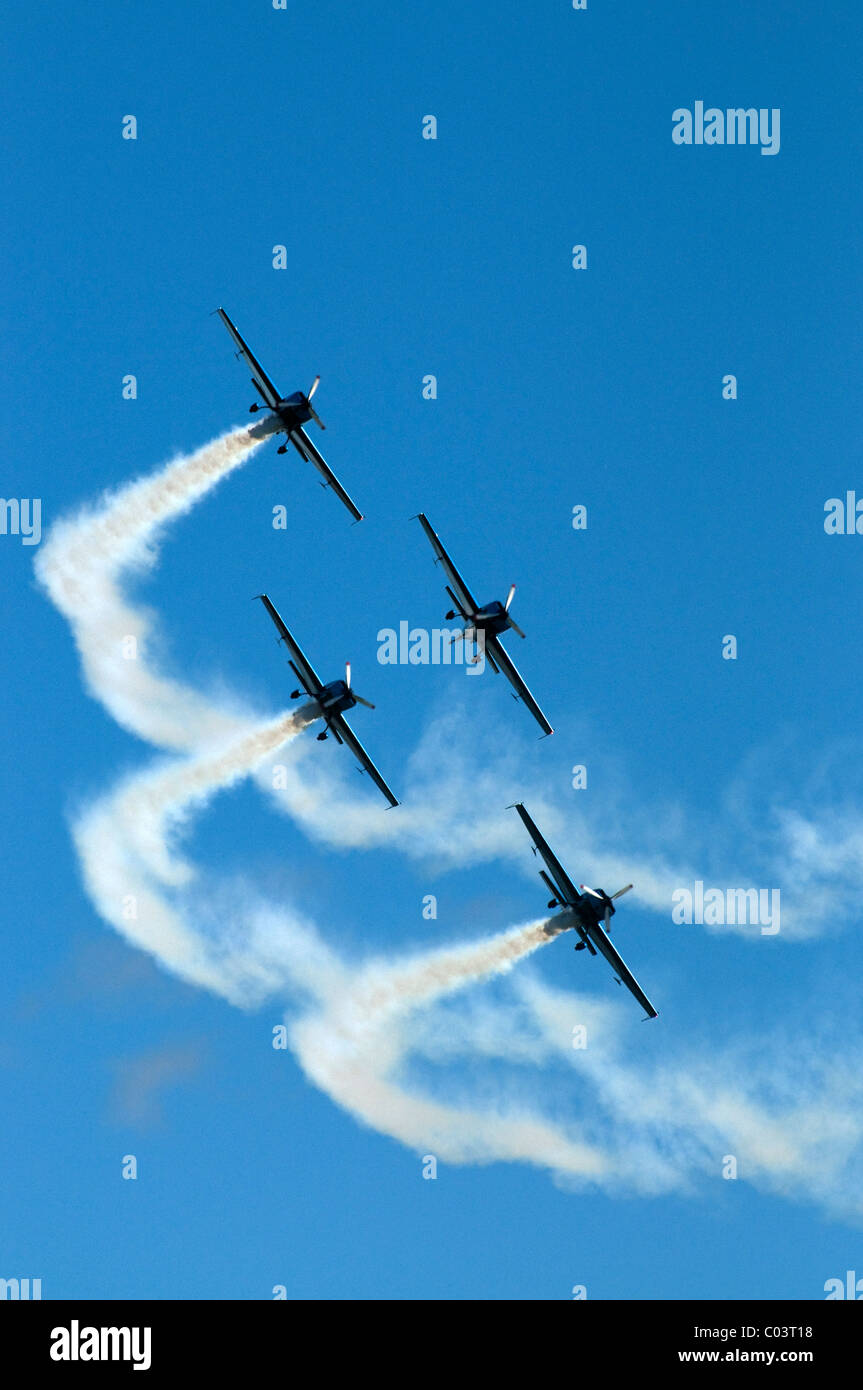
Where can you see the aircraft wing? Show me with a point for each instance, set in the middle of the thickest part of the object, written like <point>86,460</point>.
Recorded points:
<point>343,731</point>
<point>309,679</point>
<point>499,657</point>
<point>307,450</point>
<point>460,592</point>
<point>566,889</point>
<point>259,376</point>
<point>601,941</point>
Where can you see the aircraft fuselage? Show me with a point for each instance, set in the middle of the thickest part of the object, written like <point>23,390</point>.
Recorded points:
<point>492,619</point>
<point>293,412</point>
<point>588,910</point>
<point>335,698</point>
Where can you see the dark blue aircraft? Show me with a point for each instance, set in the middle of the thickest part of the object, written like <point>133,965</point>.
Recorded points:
<point>332,698</point>
<point>292,412</point>
<point>587,911</point>
<point>484,624</point>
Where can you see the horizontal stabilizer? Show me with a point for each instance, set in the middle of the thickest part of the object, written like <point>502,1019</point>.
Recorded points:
<point>553,890</point>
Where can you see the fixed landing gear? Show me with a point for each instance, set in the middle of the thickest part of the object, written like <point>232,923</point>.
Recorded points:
<point>322,736</point>
<point>253,408</point>
<point>579,947</point>
<point>282,449</point>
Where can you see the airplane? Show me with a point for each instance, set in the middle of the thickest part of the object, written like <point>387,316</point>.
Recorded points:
<point>292,412</point>
<point>491,621</point>
<point>589,912</point>
<point>333,699</point>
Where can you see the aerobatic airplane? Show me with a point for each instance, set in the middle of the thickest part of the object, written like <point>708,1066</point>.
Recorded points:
<point>588,911</point>
<point>332,699</point>
<point>491,621</point>
<point>292,412</point>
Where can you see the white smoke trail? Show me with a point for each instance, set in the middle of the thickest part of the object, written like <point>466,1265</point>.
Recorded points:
<point>384,989</point>
<point>364,1024</point>
<point>648,1132</point>
<point>449,816</point>
<point>125,845</point>
<point>351,1045</point>
<point>81,564</point>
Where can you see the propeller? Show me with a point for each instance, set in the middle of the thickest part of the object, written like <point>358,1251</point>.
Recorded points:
<point>359,699</point>
<point>609,909</point>
<point>586,888</point>
<point>511,621</point>
<point>485,613</point>
<point>312,389</point>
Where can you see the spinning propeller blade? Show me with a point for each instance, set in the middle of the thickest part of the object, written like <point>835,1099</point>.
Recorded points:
<point>308,399</point>
<point>359,699</point>
<point>620,892</point>
<point>509,598</point>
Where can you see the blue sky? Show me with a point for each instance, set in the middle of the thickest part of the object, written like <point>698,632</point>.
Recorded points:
<point>555,387</point>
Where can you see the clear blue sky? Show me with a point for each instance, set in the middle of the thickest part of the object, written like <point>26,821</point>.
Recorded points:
<point>302,127</point>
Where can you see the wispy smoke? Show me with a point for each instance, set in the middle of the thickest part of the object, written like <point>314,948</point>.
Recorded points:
<point>126,845</point>
<point>360,1029</point>
<point>351,1046</point>
<point>81,565</point>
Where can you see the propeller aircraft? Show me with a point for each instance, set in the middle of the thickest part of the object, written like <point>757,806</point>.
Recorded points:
<point>486,624</point>
<point>332,698</point>
<point>587,911</point>
<point>291,412</point>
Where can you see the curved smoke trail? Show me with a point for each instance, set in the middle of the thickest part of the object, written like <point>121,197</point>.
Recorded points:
<point>81,564</point>
<point>126,846</point>
<point>363,1022</point>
